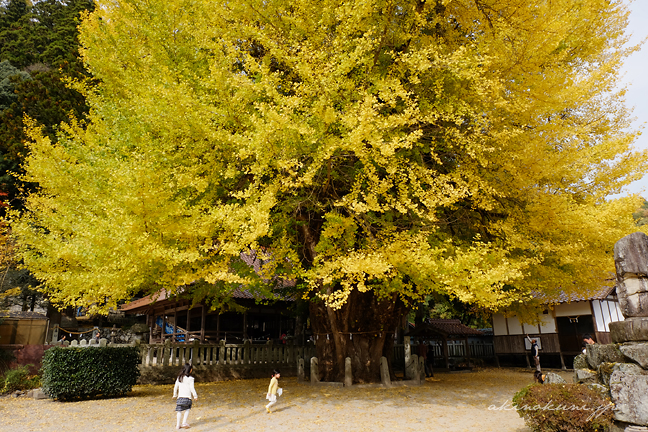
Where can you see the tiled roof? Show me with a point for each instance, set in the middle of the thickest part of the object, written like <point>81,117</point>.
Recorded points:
<point>238,293</point>
<point>251,259</point>
<point>448,327</point>
<point>23,315</point>
<point>562,297</point>
<point>454,327</point>
<point>144,301</point>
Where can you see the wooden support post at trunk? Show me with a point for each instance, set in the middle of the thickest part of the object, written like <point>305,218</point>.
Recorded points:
<point>218,326</point>
<point>467,351</point>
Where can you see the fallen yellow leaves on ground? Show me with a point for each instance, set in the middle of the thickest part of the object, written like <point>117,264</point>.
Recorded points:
<point>447,402</point>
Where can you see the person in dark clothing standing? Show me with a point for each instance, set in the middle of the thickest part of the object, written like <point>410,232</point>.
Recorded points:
<point>429,361</point>
<point>535,352</point>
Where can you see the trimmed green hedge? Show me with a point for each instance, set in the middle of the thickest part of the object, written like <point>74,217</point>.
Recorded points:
<point>563,408</point>
<point>83,373</point>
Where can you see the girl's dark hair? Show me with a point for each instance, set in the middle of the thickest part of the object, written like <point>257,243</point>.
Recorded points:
<point>275,372</point>
<point>538,377</point>
<point>185,371</point>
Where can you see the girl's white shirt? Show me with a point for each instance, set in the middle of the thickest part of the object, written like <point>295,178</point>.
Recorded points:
<point>185,388</point>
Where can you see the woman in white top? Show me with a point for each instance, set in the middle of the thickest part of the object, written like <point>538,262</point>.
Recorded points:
<point>183,390</point>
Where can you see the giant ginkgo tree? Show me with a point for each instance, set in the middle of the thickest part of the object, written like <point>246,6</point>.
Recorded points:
<point>376,152</point>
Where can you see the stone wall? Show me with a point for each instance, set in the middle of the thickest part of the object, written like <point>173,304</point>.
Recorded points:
<point>621,371</point>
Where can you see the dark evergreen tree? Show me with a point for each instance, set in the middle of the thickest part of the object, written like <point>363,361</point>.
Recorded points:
<point>39,42</point>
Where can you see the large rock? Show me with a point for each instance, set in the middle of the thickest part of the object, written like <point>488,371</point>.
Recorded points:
<point>631,261</point>
<point>603,353</point>
<point>38,394</point>
<point>629,330</point>
<point>580,362</point>
<point>629,369</point>
<point>552,378</point>
<point>584,376</point>
<point>637,352</point>
<point>628,391</point>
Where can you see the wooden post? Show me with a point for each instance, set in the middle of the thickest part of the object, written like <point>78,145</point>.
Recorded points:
<point>175,322</point>
<point>245,325</point>
<point>202,323</point>
<point>218,326</point>
<point>445,352</point>
<point>467,351</point>
<point>188,325</point>
<point>164,322</point>
<point>151,323</point>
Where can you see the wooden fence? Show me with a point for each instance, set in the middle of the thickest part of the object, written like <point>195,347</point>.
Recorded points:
<point>456,350</point>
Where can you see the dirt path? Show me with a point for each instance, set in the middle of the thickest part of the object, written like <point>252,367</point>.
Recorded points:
<point>448,402</point>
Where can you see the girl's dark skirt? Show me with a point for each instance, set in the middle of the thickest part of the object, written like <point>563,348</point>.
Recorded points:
<point>183,404</point>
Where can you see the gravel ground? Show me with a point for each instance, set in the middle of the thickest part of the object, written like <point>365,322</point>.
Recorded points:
<point>448,402</point>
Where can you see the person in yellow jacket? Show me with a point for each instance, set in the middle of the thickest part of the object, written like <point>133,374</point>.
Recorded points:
<point>273,389</point>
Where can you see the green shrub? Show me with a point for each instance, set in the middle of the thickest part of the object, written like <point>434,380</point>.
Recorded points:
<point>83,373</point>
<point>6,357</point>
<point>19,379</point>
<point>563,407</point>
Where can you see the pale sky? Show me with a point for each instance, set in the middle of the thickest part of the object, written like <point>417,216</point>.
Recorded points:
<point>636,75</point>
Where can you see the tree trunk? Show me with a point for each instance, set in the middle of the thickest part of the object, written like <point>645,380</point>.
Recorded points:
<point>363,329</point>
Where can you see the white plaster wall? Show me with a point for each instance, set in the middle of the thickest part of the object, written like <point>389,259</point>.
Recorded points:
<point>530,329</point>
<point>601,315</point>
<point>573,309</point>
<point>499,325</point>
<point>547,323</point>
<point>514,326</point>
